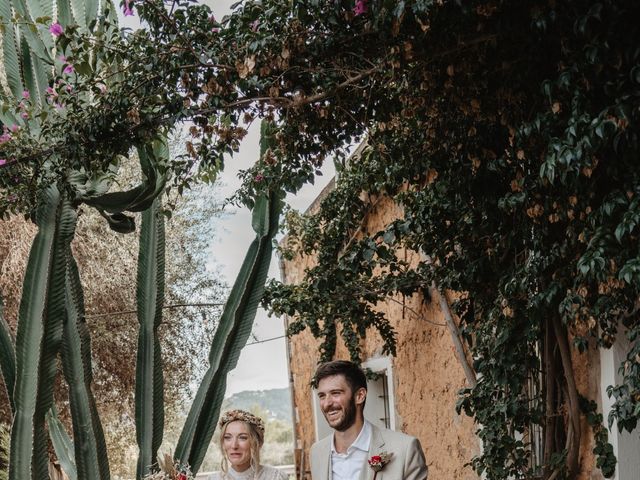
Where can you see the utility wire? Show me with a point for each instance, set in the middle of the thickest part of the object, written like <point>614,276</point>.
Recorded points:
<point>165,307</point>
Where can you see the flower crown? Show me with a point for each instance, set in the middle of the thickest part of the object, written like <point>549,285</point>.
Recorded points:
<point>241,415</point>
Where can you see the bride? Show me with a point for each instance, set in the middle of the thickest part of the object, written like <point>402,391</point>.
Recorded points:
<point>242,436</point>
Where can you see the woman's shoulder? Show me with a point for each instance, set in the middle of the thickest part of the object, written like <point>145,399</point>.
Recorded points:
<point>272,473</point>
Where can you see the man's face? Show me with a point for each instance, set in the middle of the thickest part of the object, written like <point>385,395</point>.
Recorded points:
<point>338,403</point>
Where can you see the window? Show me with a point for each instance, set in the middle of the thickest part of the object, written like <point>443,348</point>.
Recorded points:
<point>625,445</point>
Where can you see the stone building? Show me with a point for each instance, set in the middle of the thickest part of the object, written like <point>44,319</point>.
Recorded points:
<point>417,390</point>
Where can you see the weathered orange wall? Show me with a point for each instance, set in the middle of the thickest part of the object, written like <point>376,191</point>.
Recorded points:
<point>426,373</point>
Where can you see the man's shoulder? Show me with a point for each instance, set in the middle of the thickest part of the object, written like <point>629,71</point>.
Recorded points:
<point>322,443</point>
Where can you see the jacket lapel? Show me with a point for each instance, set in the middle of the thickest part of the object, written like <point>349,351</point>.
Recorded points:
<point>326,453</point>
<point>375,447</point>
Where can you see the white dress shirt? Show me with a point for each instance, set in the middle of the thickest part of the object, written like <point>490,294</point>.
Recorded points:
<point>347,466</point>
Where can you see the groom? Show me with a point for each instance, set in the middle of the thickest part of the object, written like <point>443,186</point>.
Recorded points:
<point>357,449</point>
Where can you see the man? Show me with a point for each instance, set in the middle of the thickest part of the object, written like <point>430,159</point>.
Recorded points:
<point>358,450</point>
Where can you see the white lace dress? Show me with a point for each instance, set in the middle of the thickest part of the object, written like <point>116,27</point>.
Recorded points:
<point>266,473</point>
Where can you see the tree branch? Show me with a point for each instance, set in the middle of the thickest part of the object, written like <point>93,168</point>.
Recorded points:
<point>469,373</point>
<point>573,434</point>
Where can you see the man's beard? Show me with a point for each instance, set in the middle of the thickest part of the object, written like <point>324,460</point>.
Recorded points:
<point>349,417</point>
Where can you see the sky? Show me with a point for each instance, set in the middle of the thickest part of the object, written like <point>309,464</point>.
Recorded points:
<point>262,365</point>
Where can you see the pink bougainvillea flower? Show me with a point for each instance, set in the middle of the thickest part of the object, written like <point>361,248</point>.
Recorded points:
<point>361,7</point>
<point>26,94</point>
<point>51,92</point>
<point>127,8</point>
<point>24,115</point>
<point>56,29</point>
<point>212,19</point>
<point>258,178</point>
<point>3,161</point>
<point>14,128</point>
<point>68,69</point>
<point>5,137</point>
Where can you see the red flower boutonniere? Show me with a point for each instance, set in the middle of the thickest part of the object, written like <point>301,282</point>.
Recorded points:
<point>377,462</point>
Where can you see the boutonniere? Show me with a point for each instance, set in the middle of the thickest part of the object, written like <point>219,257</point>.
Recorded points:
<point>377,462</point>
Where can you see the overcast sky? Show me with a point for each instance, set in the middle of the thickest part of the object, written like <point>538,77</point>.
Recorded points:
<point>261,365</point>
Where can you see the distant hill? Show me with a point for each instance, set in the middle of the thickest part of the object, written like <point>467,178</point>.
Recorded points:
<point>276,401</point>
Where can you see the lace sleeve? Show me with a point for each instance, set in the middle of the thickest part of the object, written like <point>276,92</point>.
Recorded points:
<point>271,473</point>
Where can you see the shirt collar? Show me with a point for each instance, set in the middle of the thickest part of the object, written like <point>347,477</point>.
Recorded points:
<point>362,442</point>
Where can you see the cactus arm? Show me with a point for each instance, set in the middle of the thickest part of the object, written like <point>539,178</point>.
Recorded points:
<point>84,11</point>
<point>62,444</point>
<point>140,197</point>
<point>149,378</point>
<point>39,40</point>
<point>231,335</point>
<point>90,449</point>
<point>7,356</point>
<point>11,55</point>
<point>39,334</point>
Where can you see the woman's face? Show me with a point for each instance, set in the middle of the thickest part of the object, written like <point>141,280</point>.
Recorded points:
<point>236,445</point>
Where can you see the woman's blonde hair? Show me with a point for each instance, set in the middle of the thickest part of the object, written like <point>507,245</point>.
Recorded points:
<point>255,427</point>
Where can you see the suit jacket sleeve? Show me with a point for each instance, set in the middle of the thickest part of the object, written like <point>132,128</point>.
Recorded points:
<point>314,462</point>
<point>415,467</point>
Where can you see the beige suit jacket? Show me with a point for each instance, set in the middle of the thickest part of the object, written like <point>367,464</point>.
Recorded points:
<point>407,462</point>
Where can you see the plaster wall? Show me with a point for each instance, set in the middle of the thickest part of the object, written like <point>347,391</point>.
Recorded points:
<point>426,373</point>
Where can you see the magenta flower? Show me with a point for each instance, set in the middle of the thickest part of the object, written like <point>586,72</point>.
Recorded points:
<point>212,19</point>
<point>361,7</point>
<point>254,25</point>
<point>14,128</point>
<point>24,115</point>
<point>56,29</point>
<point>26,94</point>
<point>51,92</point>
<point>3,161</point>
<point>258,178</point>
<point>68,69</point>
<point>5,137</point>
<point>127,8</point>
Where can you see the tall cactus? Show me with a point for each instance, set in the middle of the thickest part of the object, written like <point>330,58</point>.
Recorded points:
<point>90,449</point>
<point>234,327</point>
<point>7,356</point>
<point>39,334</point>
<point>51,320</point>
<point>149,379</point>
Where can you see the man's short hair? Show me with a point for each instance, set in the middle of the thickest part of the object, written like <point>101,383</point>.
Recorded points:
<point>352,373</point>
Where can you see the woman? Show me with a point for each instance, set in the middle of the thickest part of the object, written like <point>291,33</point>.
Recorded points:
<point>241,437</point>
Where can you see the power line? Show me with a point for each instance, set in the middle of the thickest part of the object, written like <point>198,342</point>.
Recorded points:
<point>265,340</point>
<point>164,307</point>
